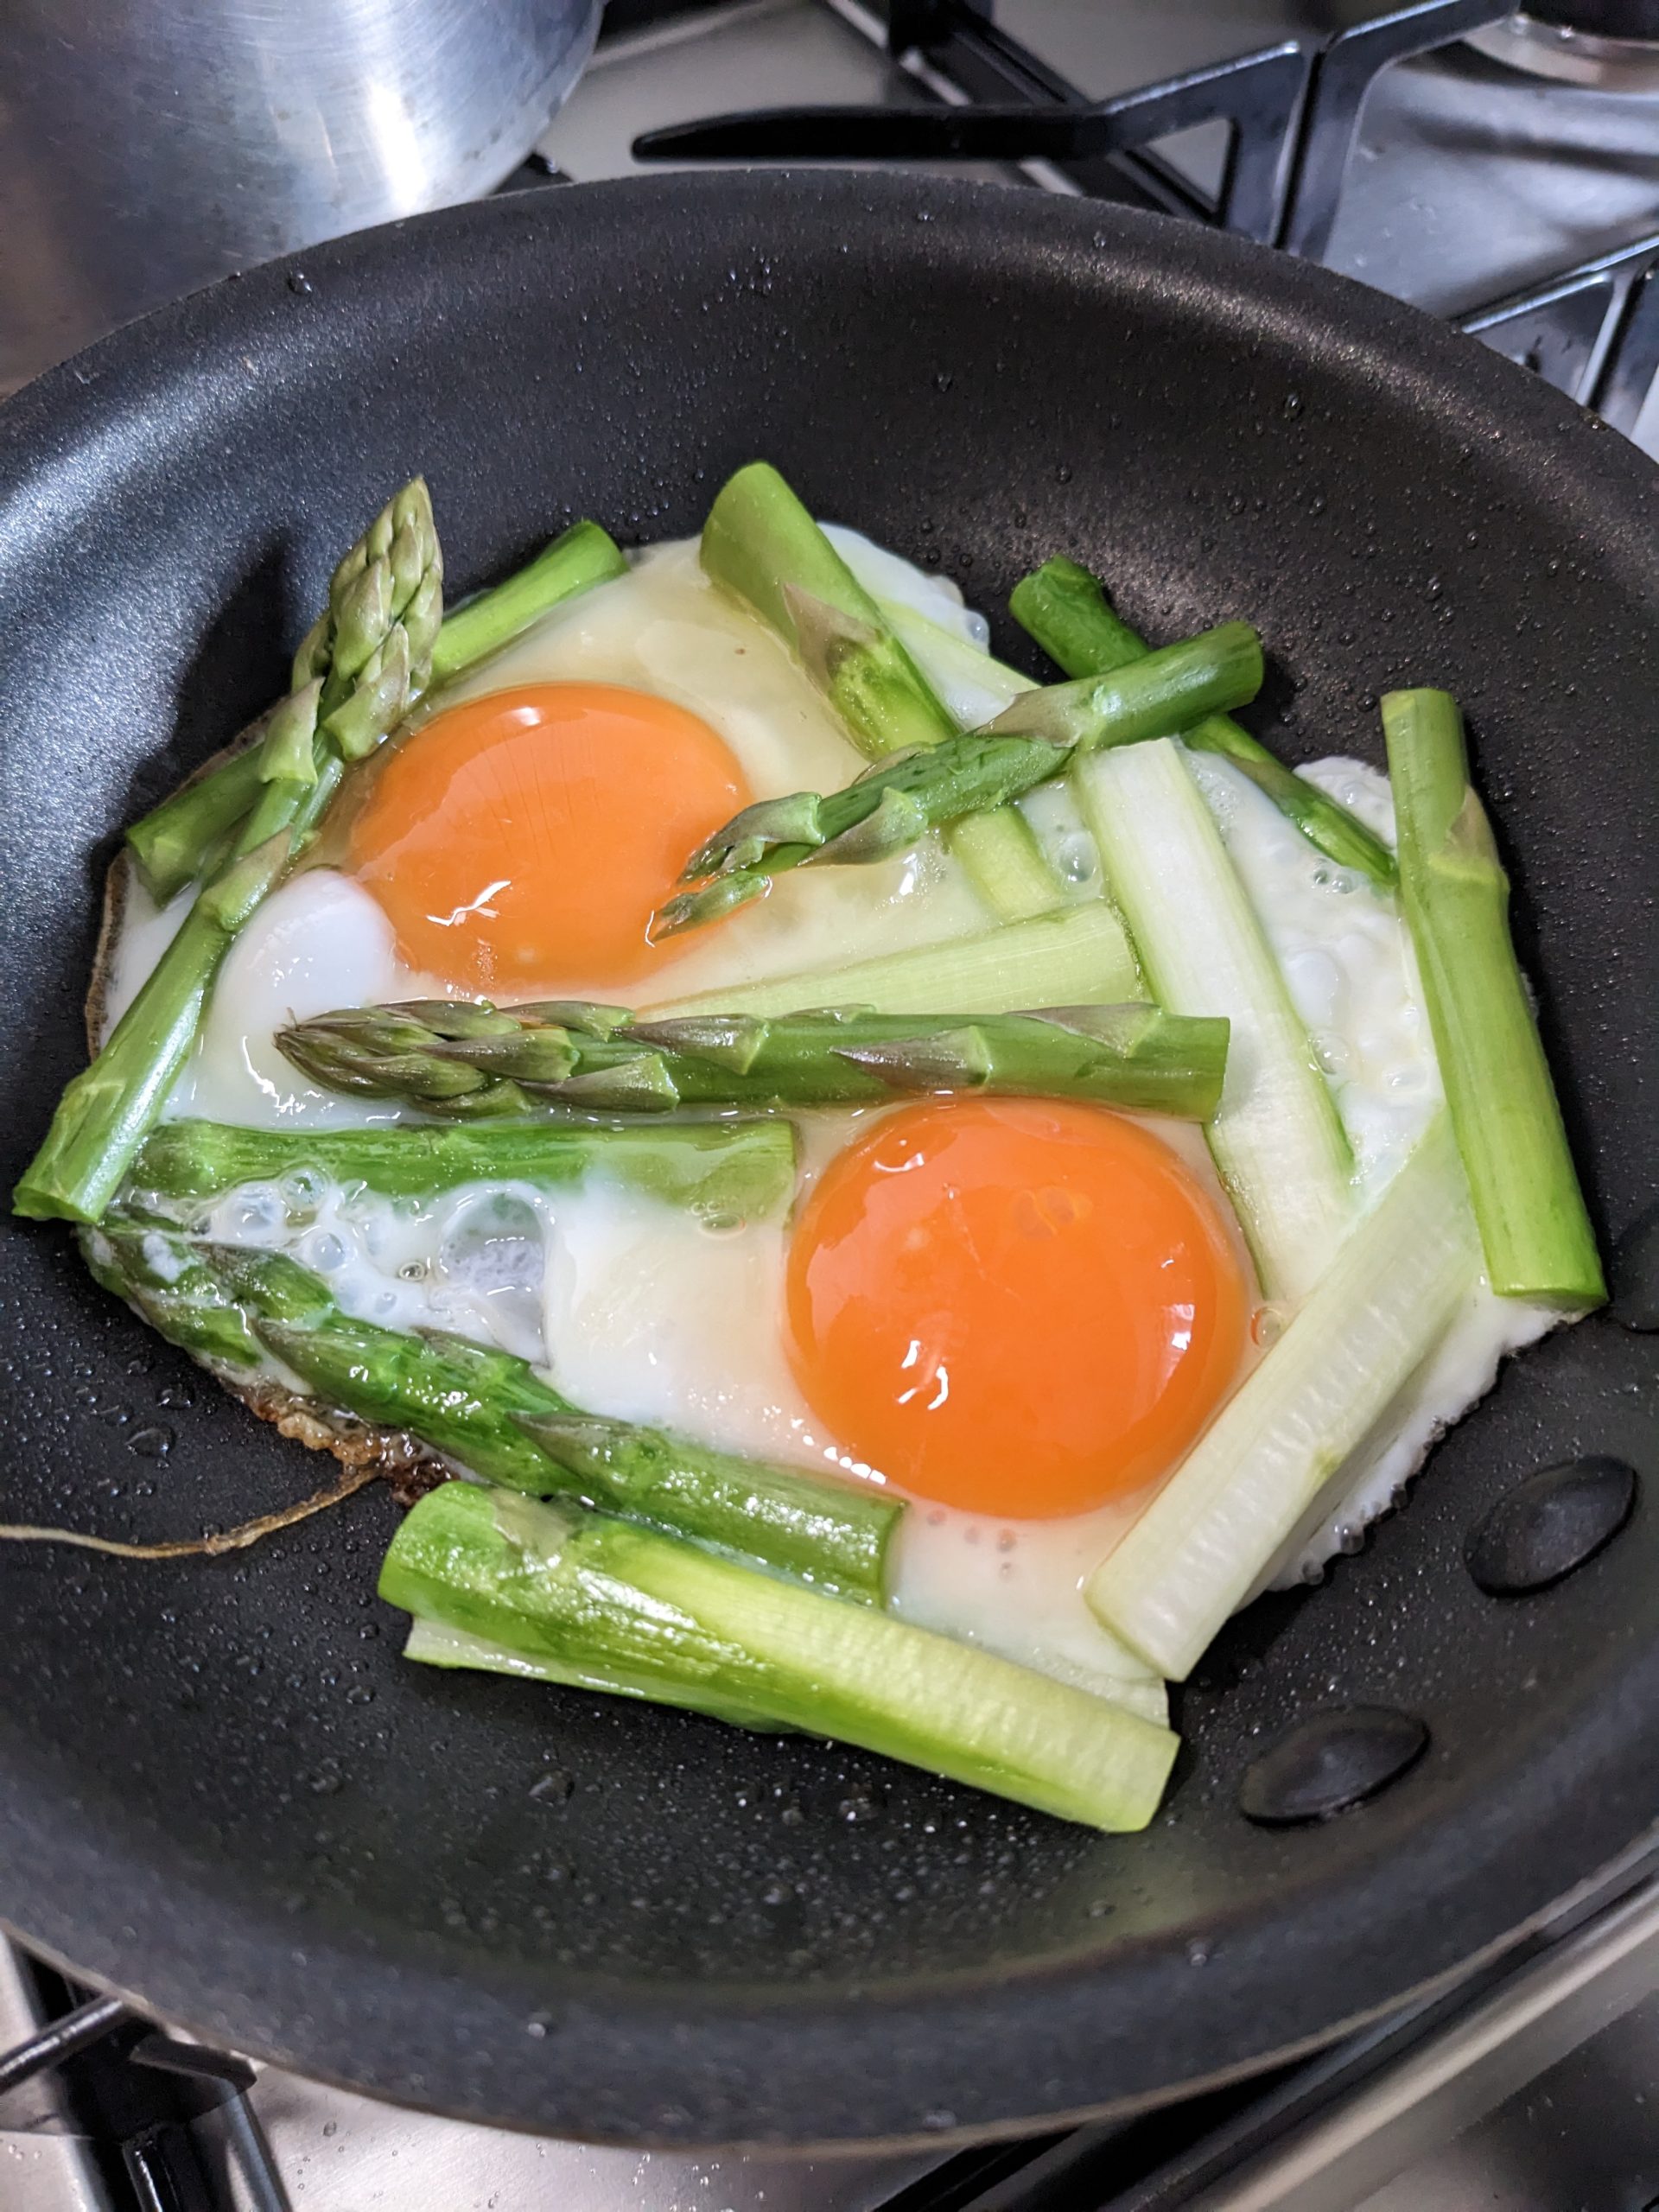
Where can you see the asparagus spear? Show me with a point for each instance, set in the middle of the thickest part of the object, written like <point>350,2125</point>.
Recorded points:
<point>236,1307</point>
<point>1066,611</point>
<point>1080,956</point>
<point>171,842</point>
<point>457,1056</point>
<point>433,1645</point>
<point>1533,1229</point>
<point>574,561</point>
<point>169,1286</point>
<point>353,678</point>
<point>363,663</point>
<point>727,1170</point>
<point>890,807</point>
<point>584,1590</point>
<point>760,543</point>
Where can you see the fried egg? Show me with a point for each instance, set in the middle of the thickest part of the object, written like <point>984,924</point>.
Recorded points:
<point>1018,1313</point>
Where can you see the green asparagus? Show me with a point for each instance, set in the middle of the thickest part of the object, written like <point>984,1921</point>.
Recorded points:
<point>725,1170</point>
<point>354,677</point>
<point>760,543</point>
<point>586,1591</point>
<point>454,1055</point>
<point>172,843</point>
<point>1533,1229</point>
<point>167,1281</point>
<point>889,808</point>
<point>173,840</point>
<point>582,557</point>
<point>1066,610</point>
<point>237,1307</point>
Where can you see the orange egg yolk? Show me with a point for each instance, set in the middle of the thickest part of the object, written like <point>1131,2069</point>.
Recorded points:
<point>527,837</point>
<point>1019,1308</point>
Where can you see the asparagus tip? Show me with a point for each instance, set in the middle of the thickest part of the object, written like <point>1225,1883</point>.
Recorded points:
<point>690,910</point>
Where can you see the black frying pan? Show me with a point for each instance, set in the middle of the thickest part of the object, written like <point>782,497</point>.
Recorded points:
<point>219,1788</point>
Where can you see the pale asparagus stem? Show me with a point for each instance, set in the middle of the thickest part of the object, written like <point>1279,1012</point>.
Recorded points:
<point>1080,957</point>
<point>459,1057</point>
<point>1533,1229</point>
<point>1277,1138</point>
<point>760,543</point>
<point>1281,1441</point>
<point>367,657</point>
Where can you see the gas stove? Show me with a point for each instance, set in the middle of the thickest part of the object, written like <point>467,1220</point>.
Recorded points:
<point>1501,170</point>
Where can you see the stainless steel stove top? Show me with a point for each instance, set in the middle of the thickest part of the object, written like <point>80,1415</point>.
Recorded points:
<point>1511,181</point>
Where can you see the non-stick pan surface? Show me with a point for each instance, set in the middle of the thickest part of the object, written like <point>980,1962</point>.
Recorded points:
<point>220,1788</point>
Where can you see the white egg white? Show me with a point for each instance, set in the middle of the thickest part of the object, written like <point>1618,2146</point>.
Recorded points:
<point>637,1310</point>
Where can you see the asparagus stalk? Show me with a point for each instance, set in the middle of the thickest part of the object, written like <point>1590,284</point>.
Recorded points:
<point>454,1056</point>
<point>390,580</point>
<point>1533,1229</point>
<point>760,543</point>
<point>726,1171</point>
<point>354,676</point>
<point>104,1113</point>
<point>574,561</point>
<point>1080,956</point>
<point>1276,1138</point>
<point>889,808</point>
<point>169,1286</point>
<point>1066,610</point>
<point>170,845</point>
<point>239,1307</point>
<point>973,686</point>
<point>584,1590</point>
<point>431,1644</point>
<point>1285,1436</point>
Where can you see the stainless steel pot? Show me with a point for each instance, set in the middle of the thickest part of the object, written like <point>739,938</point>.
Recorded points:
<point>148,146</point>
